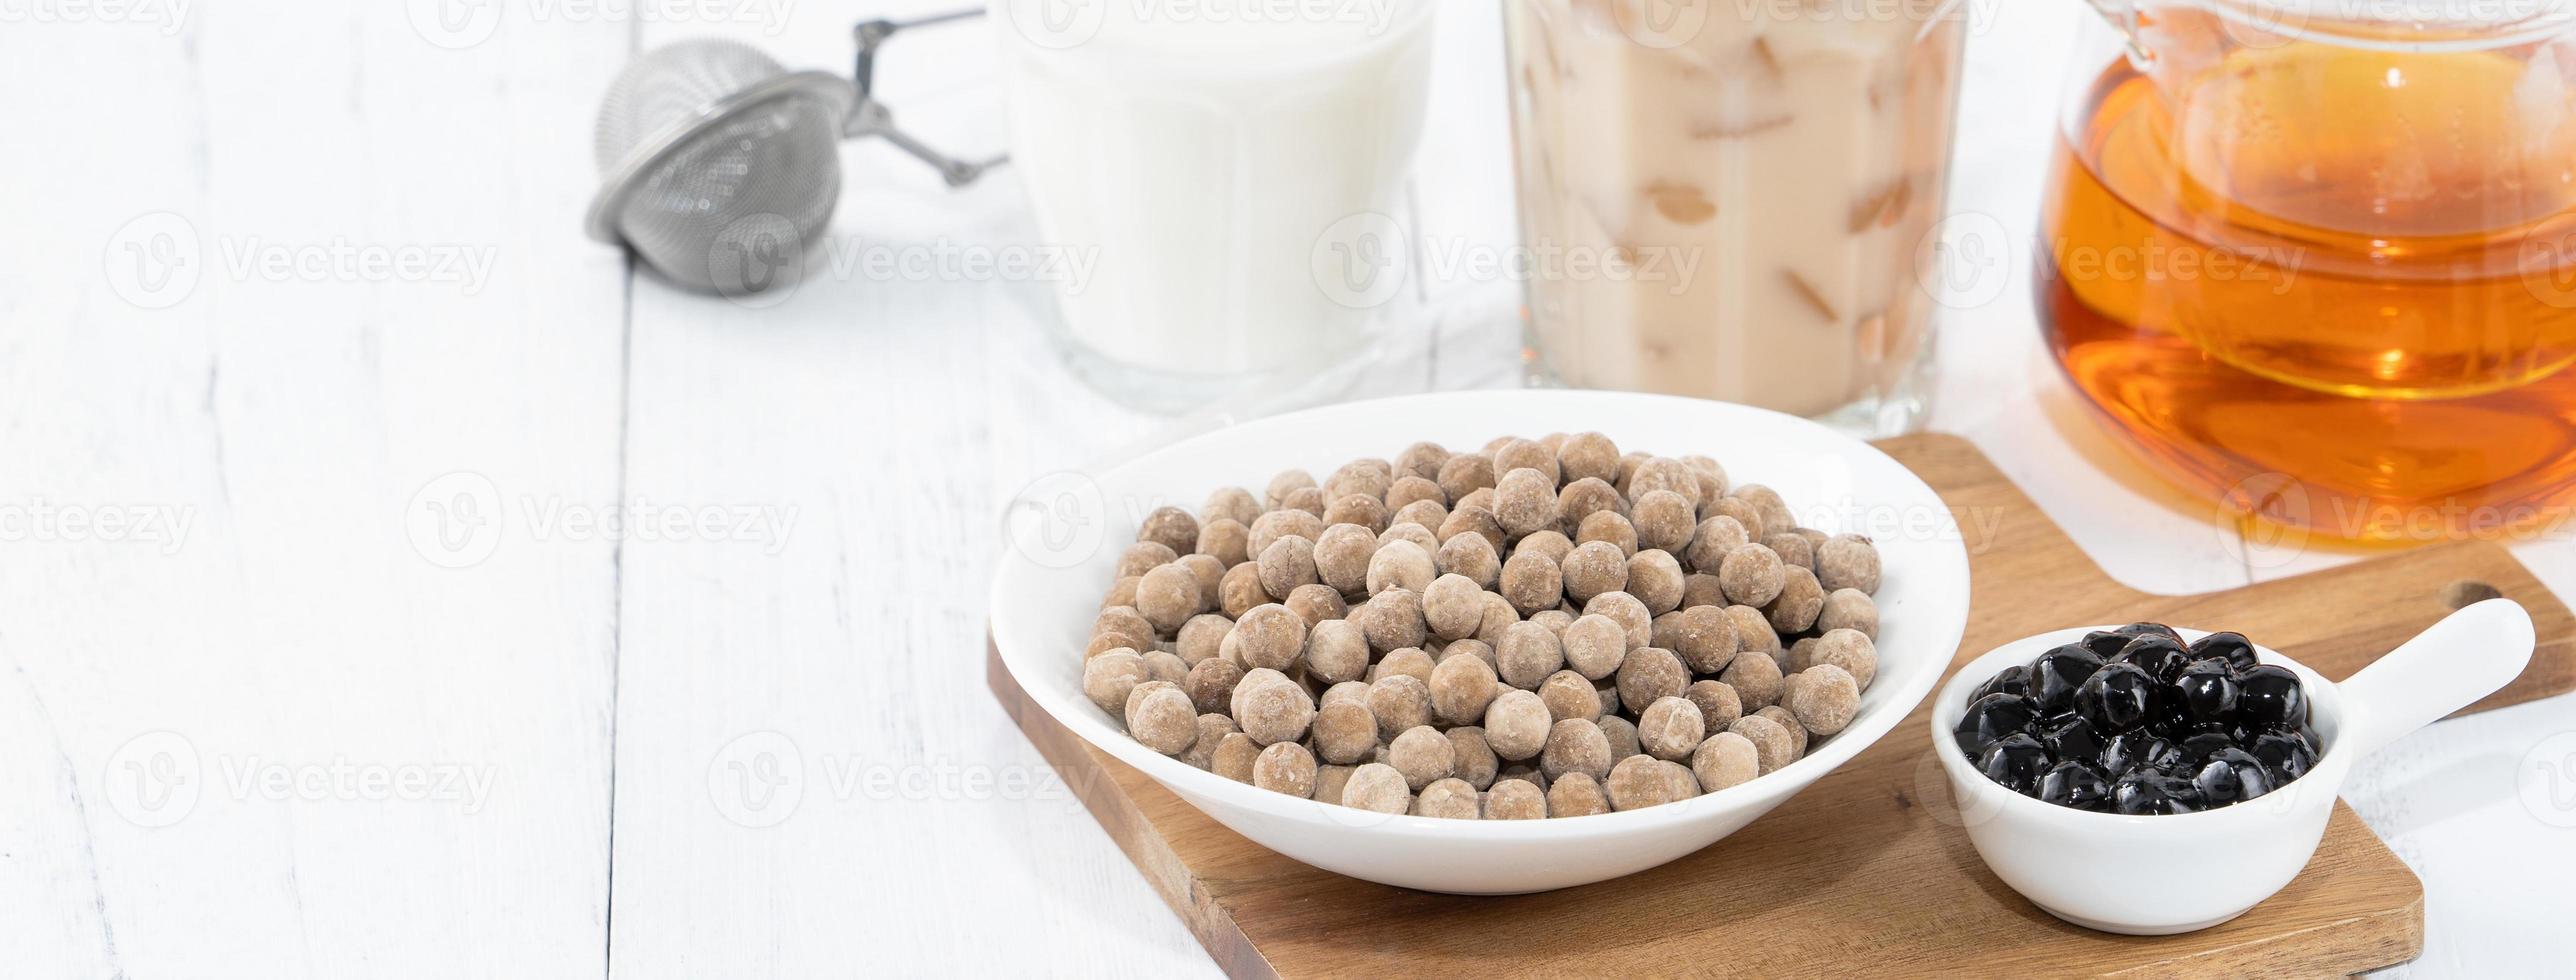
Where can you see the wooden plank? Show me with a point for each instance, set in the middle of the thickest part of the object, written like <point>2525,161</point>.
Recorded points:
<point>1820,865</point>
<point>273,277</point>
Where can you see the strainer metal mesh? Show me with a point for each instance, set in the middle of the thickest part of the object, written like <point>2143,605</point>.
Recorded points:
<point>720,165</point>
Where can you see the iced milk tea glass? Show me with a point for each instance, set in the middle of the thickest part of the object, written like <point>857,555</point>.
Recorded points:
<point>1726,198</point>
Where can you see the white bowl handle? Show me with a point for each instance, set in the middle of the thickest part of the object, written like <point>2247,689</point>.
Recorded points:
<point>2468,655</point>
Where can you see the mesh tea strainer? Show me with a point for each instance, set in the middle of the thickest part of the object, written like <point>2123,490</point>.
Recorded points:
<point>715,161</point>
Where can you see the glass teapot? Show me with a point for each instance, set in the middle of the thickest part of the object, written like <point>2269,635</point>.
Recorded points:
<point>2317,258</point>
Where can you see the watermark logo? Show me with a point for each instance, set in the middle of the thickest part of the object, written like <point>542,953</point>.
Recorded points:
<point>1361,261</point>
<point>153,780</point>
<point>1058,521</point>
<point>757,780</point>
<point>2546,780</point>
<point>757,261</point>
<point>1661,23</point>
<point>454,521</point>
<point>455,24</point>
<point>155,260</point>
<point>1055,24</point>
<point>1965,261</point>
<point>2547,264</point>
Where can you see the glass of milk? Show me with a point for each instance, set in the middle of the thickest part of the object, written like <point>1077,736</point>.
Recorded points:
<point>1230,171</point>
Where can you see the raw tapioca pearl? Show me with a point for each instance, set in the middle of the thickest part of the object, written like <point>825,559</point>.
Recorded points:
<point>1671,727</point>
<point>1757,680</point>
<point>1211,684</point>
<point>1285,768</point>
<point>1649,674</point>
<point>1638,782</point>
<point>1532,582</point>
<point>1316,603</point>
<point>1241,589</point>
<point>1569,695</point>
<point>1792,549</point>
<point>1199,637</point>
<point>1849,609</point>
<point>1788,723</point>
<point>1462,687</point>
<point>1575,745</point>
<point>1288,563</point>
<point>1516,725</point>
<point>1409,490</point>
<point>1270,636</point>
<point>1468,518</point>
<point>1517,454</point>
<point>1275,496</point>
<point>1800,600</point>
<point>1378,787</point>
<point>1848,561</point>
<point>1277,524</point>
<point>1400,565</point>
<point>1213,728</point>
<point>1588,455</point>
<point>1656,580</point>
<point>1767,503</point>
<point>1701,589</point>
<point>1594,645</point>
<point>1608,528</point>
<point>1592,569</point>
<point>1124,625</point>
<point>1515,799</point>
<point>1360,509</point>
<point>1399,702</point>
<point>1476,761</point>
<point>1162,718</point>
<point>1410,660</point>
<point>1752,575</point>
<point>1225,539</point>
<point>1427,515</point>
<point>1553,544</point>
<point>1469,555</point>
<point>1744,515</point>
<point>1718,704</point>
<point>1630,614</point>
<point>1234,757</point>
<point>1230,503</point>
<point>1464,474</point>
<point>1622,734</point>
<point>1421,460</point>
<point>1529,652</point>
<point>1361,477</point>
<point>1345,733</point>
<point>1712,541</point>
<point>1422,754</point>
<point>1170,527</point>
<point>1576,795</point>
<point>1824,698</point>
<point>1664,521</point>
<point>1392,620</point>
<point>1107,678</point>
<point>1725,759</point>
<point>1271,708</point>
<point>1849,649</point>
<point>1586,497</point>
<point>1341,556</point>
<point>1525,501</point>
<point>1449,799</point>
<point>1663,473</point>
<point>1144,556</point>
<point>1336,651</point>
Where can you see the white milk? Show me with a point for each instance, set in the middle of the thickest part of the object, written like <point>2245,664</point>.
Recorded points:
<point>1206,155</point>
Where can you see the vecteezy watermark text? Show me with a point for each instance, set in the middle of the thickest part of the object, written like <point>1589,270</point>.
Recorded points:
<point>45,522</point>
<point>157,779</point>
<point>459,519</point>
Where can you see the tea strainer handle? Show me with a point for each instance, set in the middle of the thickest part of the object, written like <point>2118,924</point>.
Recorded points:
<point>869,117</point>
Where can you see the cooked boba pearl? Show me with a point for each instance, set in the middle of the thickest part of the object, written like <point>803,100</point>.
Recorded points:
<point>1345,732</point>
<point>1637,782</point>
<point>1452,606</point>
<point>1107,678</point>
<point>1791,548</point>
<point>1271,708</point>
<point>1576,795</point>
<point>2116,698</point>
<point>1400,702</point>
<point>1605,527</point>
<point>2016,761</point>
<point>1400,565</point>
<point>1715,538</point>
<point>1648,674</point>
<point>1341,557</point>
<point>1724,759</point>
<point>2207,692</point>
<point>1630,614</point>
<point>1377,787</point>
<point>1655,578</point>
<point>1234,757</point>
<point>2075,784</point>
<point>1470,557</point>
<point>2161,657</point>
<point>1168,597</point>
<point>1851,650</point>
<point>1848,609</point>
<point>1848,561</point>
<point>1594,645</point>
<point>1476,761</point>
<point>1800,599</point>
<point>1462,687</point>
<point>2139,749</point>
<point>1515,799</point>
<point>1410,660</point>
<point>1211,682</point>
<point>1529,652</point>
<point>2143,793</point>
<point>2286,755</point>
<point>1525,501</point>
<point>1757,680</point>
<point>2231,775</point>
<point>1422,754</point>
<point>1992,717</point>
<point>1670,728</point>
<point>1285,768</point>
<point>2269,696</point>
<point>2056,674</point>
<point>1575,745</point>
<point>1271,636</point>
<point>1823,697</point>
<point>2231,647</point>
<point>1241,590</point>
<point>1752,575</point>
<point>1588,455</point>
<point>2010,680</point>
<point>1718,704</point>
<point>1583,498</point>
<point>1532,582</point>
<point>1516,725</point>
<point>1595,568</point>
<point>1773,746</point>
<point>1163,720</point>
<point>1392,620</point>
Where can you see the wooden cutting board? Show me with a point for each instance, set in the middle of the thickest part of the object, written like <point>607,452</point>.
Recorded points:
<point>1867,871</point>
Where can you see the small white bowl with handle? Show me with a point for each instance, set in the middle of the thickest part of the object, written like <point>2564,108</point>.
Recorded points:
<point>2158,875</point>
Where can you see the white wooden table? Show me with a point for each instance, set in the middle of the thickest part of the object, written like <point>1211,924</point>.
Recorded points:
<point>394,583</point>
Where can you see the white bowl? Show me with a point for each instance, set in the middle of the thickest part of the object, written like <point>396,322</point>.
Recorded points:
<point>1049,585</point>
<point>2157,875</point>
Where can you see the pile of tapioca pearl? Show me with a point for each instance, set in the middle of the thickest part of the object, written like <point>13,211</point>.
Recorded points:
<point>1541,628</point>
